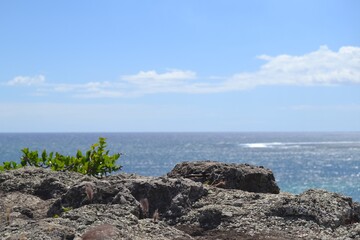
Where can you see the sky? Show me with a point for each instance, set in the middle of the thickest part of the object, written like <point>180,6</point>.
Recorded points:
<point>179,66</point>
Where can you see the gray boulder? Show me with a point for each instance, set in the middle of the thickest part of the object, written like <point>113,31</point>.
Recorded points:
<point>230,176</point>
<point>325,208</point>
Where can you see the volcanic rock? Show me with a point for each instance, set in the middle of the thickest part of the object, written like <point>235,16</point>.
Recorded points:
<point>230,176</point>
<point>42,204</point>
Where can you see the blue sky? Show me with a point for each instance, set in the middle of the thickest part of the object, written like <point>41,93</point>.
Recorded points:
<point>94,66</point>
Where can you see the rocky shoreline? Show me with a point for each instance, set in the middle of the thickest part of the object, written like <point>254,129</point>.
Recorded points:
<point>196,200</point>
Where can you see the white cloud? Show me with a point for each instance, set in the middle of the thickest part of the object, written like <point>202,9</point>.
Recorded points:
<point>144,82</point>
<point>26,80</point>
<point>153,82</point>
<point>167,77</point>
<point>322,67</point>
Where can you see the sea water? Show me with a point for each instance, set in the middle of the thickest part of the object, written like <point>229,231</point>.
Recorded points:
<point>299,161</point>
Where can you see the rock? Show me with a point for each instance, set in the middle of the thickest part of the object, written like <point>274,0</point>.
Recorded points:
<point>171,197</point>
<point>96,192</point>
<point>42,204</point>
<point>253,216</point>
<point>230,176</point>
<point>325,208</point>
<point>210,218</point>
<point>101,232</point>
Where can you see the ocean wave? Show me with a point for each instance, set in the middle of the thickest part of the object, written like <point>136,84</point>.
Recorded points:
<point>261,145</point>
<point>294,144</point>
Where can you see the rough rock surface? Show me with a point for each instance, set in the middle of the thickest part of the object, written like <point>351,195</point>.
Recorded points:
<point>231,176</point>
<point>42,204</point>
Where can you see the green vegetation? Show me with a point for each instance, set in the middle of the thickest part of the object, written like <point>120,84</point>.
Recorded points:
<point>95,162</point>
<point>66,209</point>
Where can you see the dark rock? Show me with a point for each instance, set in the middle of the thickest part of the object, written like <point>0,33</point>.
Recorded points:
<point>356,215</point>
<point>49,188</point>
<point>27,212</point>
<point>171,197</point>
<point>44,183</point>
<point>210,218</point>
<point>230,176</point>
<point>96,192</point>
<point>42,204</point>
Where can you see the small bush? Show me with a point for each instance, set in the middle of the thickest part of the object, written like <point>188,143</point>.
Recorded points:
<point>95,162</point>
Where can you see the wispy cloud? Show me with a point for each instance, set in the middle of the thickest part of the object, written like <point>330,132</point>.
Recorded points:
<point>142,83</point>
<point>26,80</point>
<point>153,82</point>
<point>322,67</point>
<point>162,78</point>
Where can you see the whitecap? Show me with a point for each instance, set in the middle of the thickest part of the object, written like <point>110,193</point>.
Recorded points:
<point>262,145</point>
<point>256,145</point>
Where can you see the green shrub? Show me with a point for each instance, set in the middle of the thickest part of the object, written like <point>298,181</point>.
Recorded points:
<point>10,165</point>
<point>95,162</point>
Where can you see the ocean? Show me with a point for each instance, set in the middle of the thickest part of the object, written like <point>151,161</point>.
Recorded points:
<point>299,161</point>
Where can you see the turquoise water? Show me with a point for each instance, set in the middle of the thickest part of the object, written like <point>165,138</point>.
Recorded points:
<point>299,160</point>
